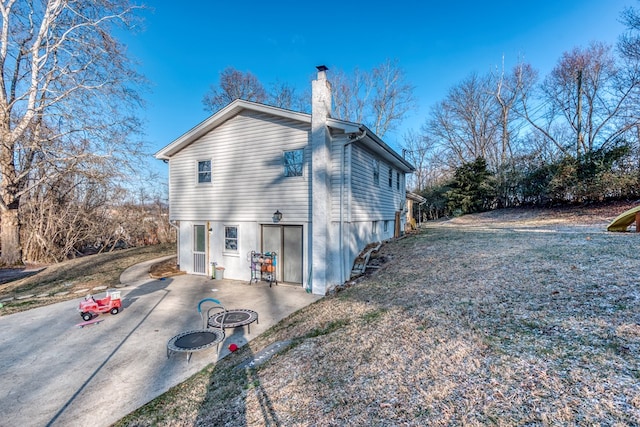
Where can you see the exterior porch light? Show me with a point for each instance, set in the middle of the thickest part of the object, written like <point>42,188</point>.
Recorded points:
<point>277,216</point>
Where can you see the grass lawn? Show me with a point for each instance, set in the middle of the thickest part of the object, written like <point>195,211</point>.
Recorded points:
<point>502,319</point>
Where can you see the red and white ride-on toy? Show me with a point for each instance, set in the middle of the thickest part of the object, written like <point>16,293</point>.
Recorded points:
<point>90,306</point>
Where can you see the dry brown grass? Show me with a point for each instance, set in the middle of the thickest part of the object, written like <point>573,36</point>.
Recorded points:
<point>504,319</point>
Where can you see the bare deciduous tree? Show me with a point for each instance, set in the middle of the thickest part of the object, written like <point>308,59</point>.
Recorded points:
<point>587,101</point>
<point>423,152</point>
<point>629,42</point>
<point>351,93</point>
<point>68,95</point>
<point>74,216</point>
<point>467,120</point>
<point>509,90</point>
<point>392,96</point>
<point>283,95</point>
<point>234,85</point>
<point>379,99</point>
<point>479,118</point>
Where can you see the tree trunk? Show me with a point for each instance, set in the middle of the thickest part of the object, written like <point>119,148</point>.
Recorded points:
<point>10,238</point>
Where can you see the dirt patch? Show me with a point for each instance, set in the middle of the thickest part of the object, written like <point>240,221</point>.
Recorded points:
<point>167,268</point>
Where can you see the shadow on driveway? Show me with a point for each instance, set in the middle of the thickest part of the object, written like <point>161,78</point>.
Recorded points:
<point>126,302</point>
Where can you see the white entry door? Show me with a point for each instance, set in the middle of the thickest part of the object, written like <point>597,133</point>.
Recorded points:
<point>199,250</point>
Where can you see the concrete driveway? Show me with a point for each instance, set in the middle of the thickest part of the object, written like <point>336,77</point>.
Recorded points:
<point>53,373</point>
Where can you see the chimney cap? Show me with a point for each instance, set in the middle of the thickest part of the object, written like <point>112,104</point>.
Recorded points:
<point>322,68</point>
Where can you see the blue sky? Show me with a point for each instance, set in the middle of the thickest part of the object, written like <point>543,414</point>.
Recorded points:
<point>182,49</point>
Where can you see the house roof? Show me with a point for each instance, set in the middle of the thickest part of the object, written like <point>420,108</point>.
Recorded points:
<point>215,120</point>
<point>415,197</point>
<point>366,136</point>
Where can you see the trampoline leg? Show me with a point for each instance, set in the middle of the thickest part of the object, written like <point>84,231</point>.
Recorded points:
<point>189,357</point>
<point>249,325</point>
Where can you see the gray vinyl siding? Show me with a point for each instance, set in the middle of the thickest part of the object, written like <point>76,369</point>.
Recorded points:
<point>248,181</point>
<point>336,179</point>
<point>371,202</point>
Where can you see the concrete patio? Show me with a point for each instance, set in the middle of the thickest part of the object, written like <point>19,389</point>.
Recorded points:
<point>57,374</point>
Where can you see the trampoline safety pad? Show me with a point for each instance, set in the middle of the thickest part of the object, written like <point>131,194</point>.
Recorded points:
<point>234,318</point>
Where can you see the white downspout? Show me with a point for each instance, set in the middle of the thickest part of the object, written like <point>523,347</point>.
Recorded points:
<point>171,223</point>
<point>352,138</point>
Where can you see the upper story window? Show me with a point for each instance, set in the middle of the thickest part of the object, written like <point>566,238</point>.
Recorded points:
<point>204,171</point>
<point>397,180</point>
<point>390,178</point>
<point>293,162</point>
<point>376,172</point>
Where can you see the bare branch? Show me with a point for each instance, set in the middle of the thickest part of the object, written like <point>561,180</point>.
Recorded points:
<point>68,98</point>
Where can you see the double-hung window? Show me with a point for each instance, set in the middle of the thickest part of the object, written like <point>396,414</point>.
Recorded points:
<point>204,171</point>
<point>293,162</point>
<point>231,238</point>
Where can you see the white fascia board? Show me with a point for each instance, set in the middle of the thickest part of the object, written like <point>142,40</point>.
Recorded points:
<point>222,116</point>
<point>347,127</point>
<point>373,142</point>
<point>377,145</point>
<point>395,157</point>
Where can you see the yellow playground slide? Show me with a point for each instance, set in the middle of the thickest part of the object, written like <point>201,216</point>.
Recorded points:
<point>624,220</point>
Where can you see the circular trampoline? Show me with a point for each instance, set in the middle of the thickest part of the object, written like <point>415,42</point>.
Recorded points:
<point>233,319</point>
<point>195,340</point>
